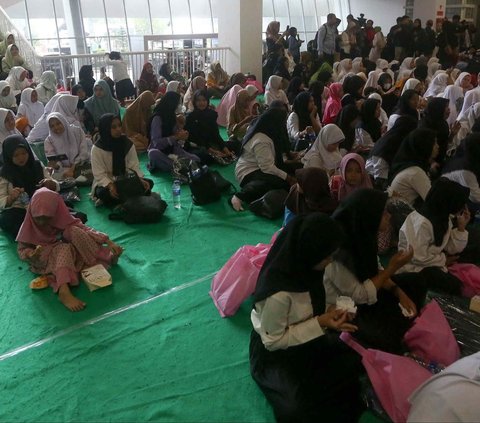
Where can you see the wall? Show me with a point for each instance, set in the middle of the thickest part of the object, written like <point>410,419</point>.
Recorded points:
<point>383,12</point>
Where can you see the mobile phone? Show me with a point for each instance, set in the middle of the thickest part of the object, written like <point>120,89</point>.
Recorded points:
<point>57,158</point>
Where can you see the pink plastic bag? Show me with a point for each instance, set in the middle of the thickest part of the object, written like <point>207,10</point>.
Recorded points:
<point>394,378</point>
<point>237,279</point>
<point>469,274</point>
<point>431,337</point>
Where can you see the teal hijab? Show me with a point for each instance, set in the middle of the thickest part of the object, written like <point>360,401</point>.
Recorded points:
<point>98,106</point>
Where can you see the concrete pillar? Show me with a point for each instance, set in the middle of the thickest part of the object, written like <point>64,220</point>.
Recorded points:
<point>240,28</point>
<point>74,23</point>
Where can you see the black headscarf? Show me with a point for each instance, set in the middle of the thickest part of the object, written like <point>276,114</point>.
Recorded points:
<point>280,69</point>
<point>360,215</point>
<point>444,198</point>
<point>75,89</point>
<point>420,72</point>
<point>119,147</point>
<point>351,88</point>
<point>415,150</point>
<point>434,119</point>
<point>387,146</point>
<point>26,177</point>
<point>370,122</point>
<point>86,80</point>
<point>272,123</point>
<point>344,121</point>
<point>202,124</point>
<point>302,244</point>
<point>467,156</point>
<point>165,109</point>
<point>300,107</point>
<point>403,106</point>
<point>294,89</point>
<point>316,88</point>
<point>164,72</point>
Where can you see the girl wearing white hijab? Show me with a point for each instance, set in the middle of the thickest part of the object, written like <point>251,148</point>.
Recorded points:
<point>325,151</point>
<point>336,70</point>
<point>433,68</point>
<point>383,114</point>
<point>7,127</point>
<point>406,68</point>
<point>7,99</point>
<point>413,84</point>
<point>455,95</point>
<point>464,81</point>
<point>344,68</point>
<point>66,105</point>
<point>198,83</point>
<point>17,79</point>
<point>274,92</point>
<point>357,65</point>
<point>437,86</point>
<point>64,138</point>
<point>47,87</point>
<point>30,107</point>
<point>471,97</point>
<point>466,123</point>
<point>40,131</point>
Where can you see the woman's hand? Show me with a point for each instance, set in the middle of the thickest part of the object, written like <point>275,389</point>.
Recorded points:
<point>291,180</point>
<point>462,219</point>
<point>53,165</point>
<point>406,302</point>
<point>400,259</point>
<point>146,185</point>
<point>455,128</point>
<point>48,183</point>
<point>35,254</point>
<point>14,194</point>
<point>336,320</point>
<point>449,260</point>
<point>113,190</point>
<point>115,248</point>
<point>68,172</point>
<point>181,135</point>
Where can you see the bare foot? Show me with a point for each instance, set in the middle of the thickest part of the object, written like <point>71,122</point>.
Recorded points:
<point>236,203</point>
<point>69,300</point>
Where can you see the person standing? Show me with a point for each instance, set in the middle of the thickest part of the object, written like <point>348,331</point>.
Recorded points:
<point>326,39</point>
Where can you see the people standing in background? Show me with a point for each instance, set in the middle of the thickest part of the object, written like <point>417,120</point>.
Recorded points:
<point>294,44</point>
<point>326,39</point>
<point>123,84</point>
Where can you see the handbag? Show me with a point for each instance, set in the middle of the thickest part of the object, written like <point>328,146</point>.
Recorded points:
<point>140,209</point>
<point>129,185</point>
<point>271,205</point>
<point>202,185</point>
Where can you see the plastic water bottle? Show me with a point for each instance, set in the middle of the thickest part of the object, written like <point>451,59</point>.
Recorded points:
<point>176,193</point>
<point>24,199</point>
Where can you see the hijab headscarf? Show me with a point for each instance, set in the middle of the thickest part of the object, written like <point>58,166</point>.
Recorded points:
<point>437,86</point>
<point>33,111</point>
<point>294,88</point>
<point>314,193</point>
<point>149,79</point>
<point>415,150</point>
<point>459,80</point>
<point>434,119</point>
<point>67,105</point>
<point>198,83</point>
<point>403,106</point>
<point>6,101</point>
<point>351,87</point>
<point>49,204</point>
<point>98,106</point>
<point>69,141</point>
<point>345,189</point>
<point>471,97</point>
<point>242,107</point>
<point>345,66</point>
<point>454,95</point>
<point>345,118</point>
<point>86,80</point>
<point>445,197</point>
<point>173,86</point>
<point>227,101</point>
<point>300,107</point>
<point>406,68</point>
<point>47,87</point>
<point>165,109</point>
<point>218,74</point>
<point>302,244</point>
<point>372,80</point>
<point>370,122</point>
<point>40,130</point>
<point>119,147</point>
<point>273,90</point>
<point>14,81</point>
<point>360,215</point>
<point>164,72</point>
<point>273,29</point>
<point>334,103</point>
<point>387,146</point>
<point>4,44</point>
<point>138,114</point>
<point>12,60</point>
<point>433,68</point>
<point>329,134</point>
<point>26,177</point>
<point>472,115</point>
<point>411,84</point>
<point>4,132</point>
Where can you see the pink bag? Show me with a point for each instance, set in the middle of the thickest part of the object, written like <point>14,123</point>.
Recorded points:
<point>431,337</point>
<point>237,279</point>
<point>394,378</point>
<point>469,274</point>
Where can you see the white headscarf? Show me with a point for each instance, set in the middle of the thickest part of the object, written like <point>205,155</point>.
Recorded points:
<point>13,79</point>
<point>473,113</point>
<point>173,86</point>
<point>372,80</point>
<point>471,97</point>
<point>411,84</point>
<point>458,81</point>
<point>318,155</point>
<point>437,86</point>
<point>453,93</point>
<point>383,118</point>
<point>32,111</point>
<point>47,87</point>
<point>356,63</point>
<point>40,130</point>
<point>433,67</point>
<point>7,101</point>
<point>336,70</point>
<point>72,142</point>
<point>66,105</point>
<point>342,69</point>
<point>454,74</point>
<point>4,132</point>
<point>251,90</point>
<point>405,68</point>
<point>273,91</point>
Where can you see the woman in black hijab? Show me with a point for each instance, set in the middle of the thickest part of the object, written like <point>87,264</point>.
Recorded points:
<point>86,79</point>
<point>407,104</point>
<point>304,115</point>
<point>370,122</point>
<point>204,138</point>
<point>281,68</point>
<point>112,156</point>
<point>389,94</point>
<point>347,121</point>
<point>306,375</point>
<point>295,87</point>
<point>316,89</point>
<point>353,90</point>
<point>260,167</point>
<point>355,272</point>
<point>20,176</point>
<point>166,72</point>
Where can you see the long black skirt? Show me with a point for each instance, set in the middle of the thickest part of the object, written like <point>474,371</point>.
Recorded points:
<point>310,383</point>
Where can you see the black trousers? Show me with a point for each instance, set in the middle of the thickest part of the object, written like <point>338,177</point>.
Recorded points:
<point>442,282</point>
<point>103,193</point>
<point>256,184</point>
<point>11,220</point>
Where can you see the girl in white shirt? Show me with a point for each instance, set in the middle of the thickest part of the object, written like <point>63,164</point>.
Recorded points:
<point>435,240</point>
<point>303,122</point>
<point>123,84</point>
<point>306,375</point>
<point>30,107</point>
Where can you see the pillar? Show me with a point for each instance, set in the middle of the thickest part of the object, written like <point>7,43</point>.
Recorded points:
<point>240,28</point>
<point>74,25</point>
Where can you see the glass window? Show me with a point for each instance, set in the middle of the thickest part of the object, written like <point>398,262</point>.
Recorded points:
<point>268,9</point>
<point>296,15</point>
<point>160,11</point>
<point>310,15</point>
<point>181,17</point>
<point>117,25</point>
<point>97,44</point>
<point>281,13</point>
<point>201,17</point>
<point>215,5</point>
<point>42,19</point>
<point>18,16</point>
<point>94,19</point>
<point>138,18</point>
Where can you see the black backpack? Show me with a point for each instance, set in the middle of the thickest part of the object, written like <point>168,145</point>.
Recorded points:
<point>140,209</point>
<point>206,185</point>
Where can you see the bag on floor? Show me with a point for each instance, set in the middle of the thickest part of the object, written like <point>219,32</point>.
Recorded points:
<point>469,274</point>
<point>394,378</point>
<point>203,187</point>
<point>431,337</point>
<point>237,279</point>
<point>271,205</point>
<point>141,209</point>
<point>130,185</point>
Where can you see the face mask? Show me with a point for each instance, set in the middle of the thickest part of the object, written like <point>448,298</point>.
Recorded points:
<point>387,86</point>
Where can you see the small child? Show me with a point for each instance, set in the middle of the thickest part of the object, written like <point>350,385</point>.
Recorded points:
<point>294,43</point>
<point>54,243</point>
<point>352,177</point>
<point>23,126</point>
<point>123,84</point>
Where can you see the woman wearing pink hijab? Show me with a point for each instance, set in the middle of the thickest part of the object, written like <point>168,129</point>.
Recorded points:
<point>228,100</point>
<point>334,103</point>
<point>54,243</point>
<point>352,176</point>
